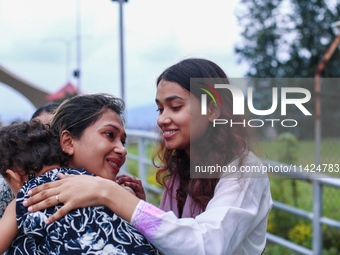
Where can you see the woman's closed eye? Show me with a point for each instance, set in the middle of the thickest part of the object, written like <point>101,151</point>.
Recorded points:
<point>176,108</point>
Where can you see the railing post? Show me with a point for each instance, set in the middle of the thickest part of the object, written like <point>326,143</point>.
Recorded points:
<point>123,169</point>
<point>317,214</point>
<point>142,170</point>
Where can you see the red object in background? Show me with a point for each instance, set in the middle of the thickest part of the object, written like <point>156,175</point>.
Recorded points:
<point>67,90</point>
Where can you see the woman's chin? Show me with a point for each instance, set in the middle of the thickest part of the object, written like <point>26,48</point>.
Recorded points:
<point>170,146</point>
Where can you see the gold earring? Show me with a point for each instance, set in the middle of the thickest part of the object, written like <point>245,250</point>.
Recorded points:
<point>19,186</point>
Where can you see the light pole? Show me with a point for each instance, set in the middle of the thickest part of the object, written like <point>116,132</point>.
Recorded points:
<point>329,52</point>
<point>317,189</point>
<point>77,72</point>
<point>121,49</point>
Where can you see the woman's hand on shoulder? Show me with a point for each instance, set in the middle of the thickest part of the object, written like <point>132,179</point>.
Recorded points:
<point>74,191</point>
<point>133,183</point>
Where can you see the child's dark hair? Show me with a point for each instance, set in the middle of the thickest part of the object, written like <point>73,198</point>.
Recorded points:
<point>28,146</point>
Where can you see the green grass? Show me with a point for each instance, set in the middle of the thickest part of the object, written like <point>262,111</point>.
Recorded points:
<point>281,223</point>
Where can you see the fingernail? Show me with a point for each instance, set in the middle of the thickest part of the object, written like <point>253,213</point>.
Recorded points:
<point>30,209</point>
<point>29,193</point>
<point>47,222</point>
<point>25,203</point>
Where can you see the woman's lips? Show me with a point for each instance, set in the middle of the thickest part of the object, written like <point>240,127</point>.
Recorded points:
<point>115,164</point>
<point>167,134</point>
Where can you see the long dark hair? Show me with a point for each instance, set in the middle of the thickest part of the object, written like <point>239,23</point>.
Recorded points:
<point>219,145</point>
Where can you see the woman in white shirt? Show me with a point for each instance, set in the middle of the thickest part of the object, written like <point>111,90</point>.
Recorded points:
<point>226,214</point>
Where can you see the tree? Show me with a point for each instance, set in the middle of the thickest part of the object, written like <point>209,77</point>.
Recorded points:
<point>287,39</point>
<point>284,38</point>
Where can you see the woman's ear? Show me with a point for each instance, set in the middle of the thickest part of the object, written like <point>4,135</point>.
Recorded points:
<point>66,143</point>
<point>214,111</point>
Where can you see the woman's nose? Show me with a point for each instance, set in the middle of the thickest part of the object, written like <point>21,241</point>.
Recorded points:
<point>121,150</point>
<point>163,119</point>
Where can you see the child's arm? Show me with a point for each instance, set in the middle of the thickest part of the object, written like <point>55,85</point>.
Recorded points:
<point>8,227</point>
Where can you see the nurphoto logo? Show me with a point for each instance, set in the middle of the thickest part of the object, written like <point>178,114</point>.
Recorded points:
<point>239,102</point>
<point>204,97</point>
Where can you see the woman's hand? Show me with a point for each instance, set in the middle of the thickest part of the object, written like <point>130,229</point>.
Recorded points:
<point>133,183</point>
<point>74,191</point>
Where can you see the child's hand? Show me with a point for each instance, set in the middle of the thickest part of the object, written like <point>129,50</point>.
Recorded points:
<point>133,183</point>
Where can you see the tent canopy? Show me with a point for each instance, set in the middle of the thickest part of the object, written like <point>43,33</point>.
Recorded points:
<point>68,90</point>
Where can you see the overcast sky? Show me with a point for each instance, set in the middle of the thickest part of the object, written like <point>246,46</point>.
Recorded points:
<point>158,33</point>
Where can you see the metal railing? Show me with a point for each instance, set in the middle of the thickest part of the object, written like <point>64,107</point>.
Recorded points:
<point>143,138</point>
<point>318,180</point>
